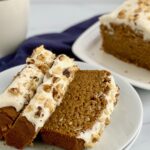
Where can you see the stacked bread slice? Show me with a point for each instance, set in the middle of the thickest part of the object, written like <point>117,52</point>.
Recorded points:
<point>70,108</point>
<point>48,96</point>
<point>17,95</point>
<point>81,118</point>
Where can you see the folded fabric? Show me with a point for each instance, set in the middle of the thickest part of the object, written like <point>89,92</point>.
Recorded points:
<point>57,42</point>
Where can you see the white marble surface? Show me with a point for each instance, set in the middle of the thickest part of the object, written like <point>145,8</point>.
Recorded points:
<point>54,16</point>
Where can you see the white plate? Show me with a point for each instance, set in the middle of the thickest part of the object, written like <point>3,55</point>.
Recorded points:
<point>88,48</point>
<point>133,141</point>
<point>128,147</point>
<point>126,119</point>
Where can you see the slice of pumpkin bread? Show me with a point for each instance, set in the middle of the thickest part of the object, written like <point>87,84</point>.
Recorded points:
<point>48,96</point>
<point>125,32</point>
<point>18,94</point>
<point>85,111</point>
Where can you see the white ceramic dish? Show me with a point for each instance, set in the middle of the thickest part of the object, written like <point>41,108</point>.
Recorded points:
<point>88,48</point>
<point>129,146</point>
<point>126,119</point>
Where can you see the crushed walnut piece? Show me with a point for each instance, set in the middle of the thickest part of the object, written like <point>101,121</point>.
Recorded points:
<point>41,57</point>
<point>122,14</point>
<point>14,91</point>
<point>56,79</point>
<point>66,73</point>
<point>39,111</point>
<point>61,57</point>
<point>36,78</point>
<point>43,68</point>
<point>30,61</point>
<point>55,93</point>
<point>94,139</point>
<point>47,88</point>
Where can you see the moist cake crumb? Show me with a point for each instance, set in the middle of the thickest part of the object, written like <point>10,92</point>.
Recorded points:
<point>83,104</point>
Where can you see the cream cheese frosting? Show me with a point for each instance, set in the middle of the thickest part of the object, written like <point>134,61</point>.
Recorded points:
<point>133,13</point>
<point>99,126</point>
<point>50,93</point>
<point>23,87</point>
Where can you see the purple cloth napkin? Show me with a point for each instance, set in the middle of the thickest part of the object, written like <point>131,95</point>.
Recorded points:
<point>57,42</point>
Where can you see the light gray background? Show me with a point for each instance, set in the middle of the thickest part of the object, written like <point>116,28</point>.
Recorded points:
<point>56,15</point>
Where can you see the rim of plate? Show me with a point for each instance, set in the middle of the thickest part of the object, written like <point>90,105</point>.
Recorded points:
<point>75,46</point>
<point>135,138</point>
<point>128,147</point>
<point>118,78</point>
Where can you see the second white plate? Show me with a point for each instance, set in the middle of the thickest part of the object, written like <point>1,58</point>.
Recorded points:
<point>87,47</point>
<point>126,119</point>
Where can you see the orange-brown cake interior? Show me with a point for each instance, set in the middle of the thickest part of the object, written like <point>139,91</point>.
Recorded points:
<point>79,111</point>
<point>126,45</point>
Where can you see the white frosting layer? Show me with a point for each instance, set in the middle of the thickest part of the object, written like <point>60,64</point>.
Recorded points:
<point>99,126</point>
<point>50,94</point>
<point>22,89</point>
<point>134,13</point>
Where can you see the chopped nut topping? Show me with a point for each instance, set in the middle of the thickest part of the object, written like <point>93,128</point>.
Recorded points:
<point>66,73</point>
<point>30,61</point>
<point>94,139</point>
<point>55,93</point>
<point>43,68</point>
<point>14,91</point>
<point>56,79</point>
<point>106,80</point>
<point>39,111</point>
<point>36,78</point>
<point>41,57</point>
<point>47,88</point>
<point>121,14</point>
<point>61,57</point>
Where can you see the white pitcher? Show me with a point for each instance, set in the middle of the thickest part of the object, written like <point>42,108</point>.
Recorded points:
<point>13,24</point>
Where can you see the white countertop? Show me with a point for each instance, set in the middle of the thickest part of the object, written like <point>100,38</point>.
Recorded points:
<point>47,16</point>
